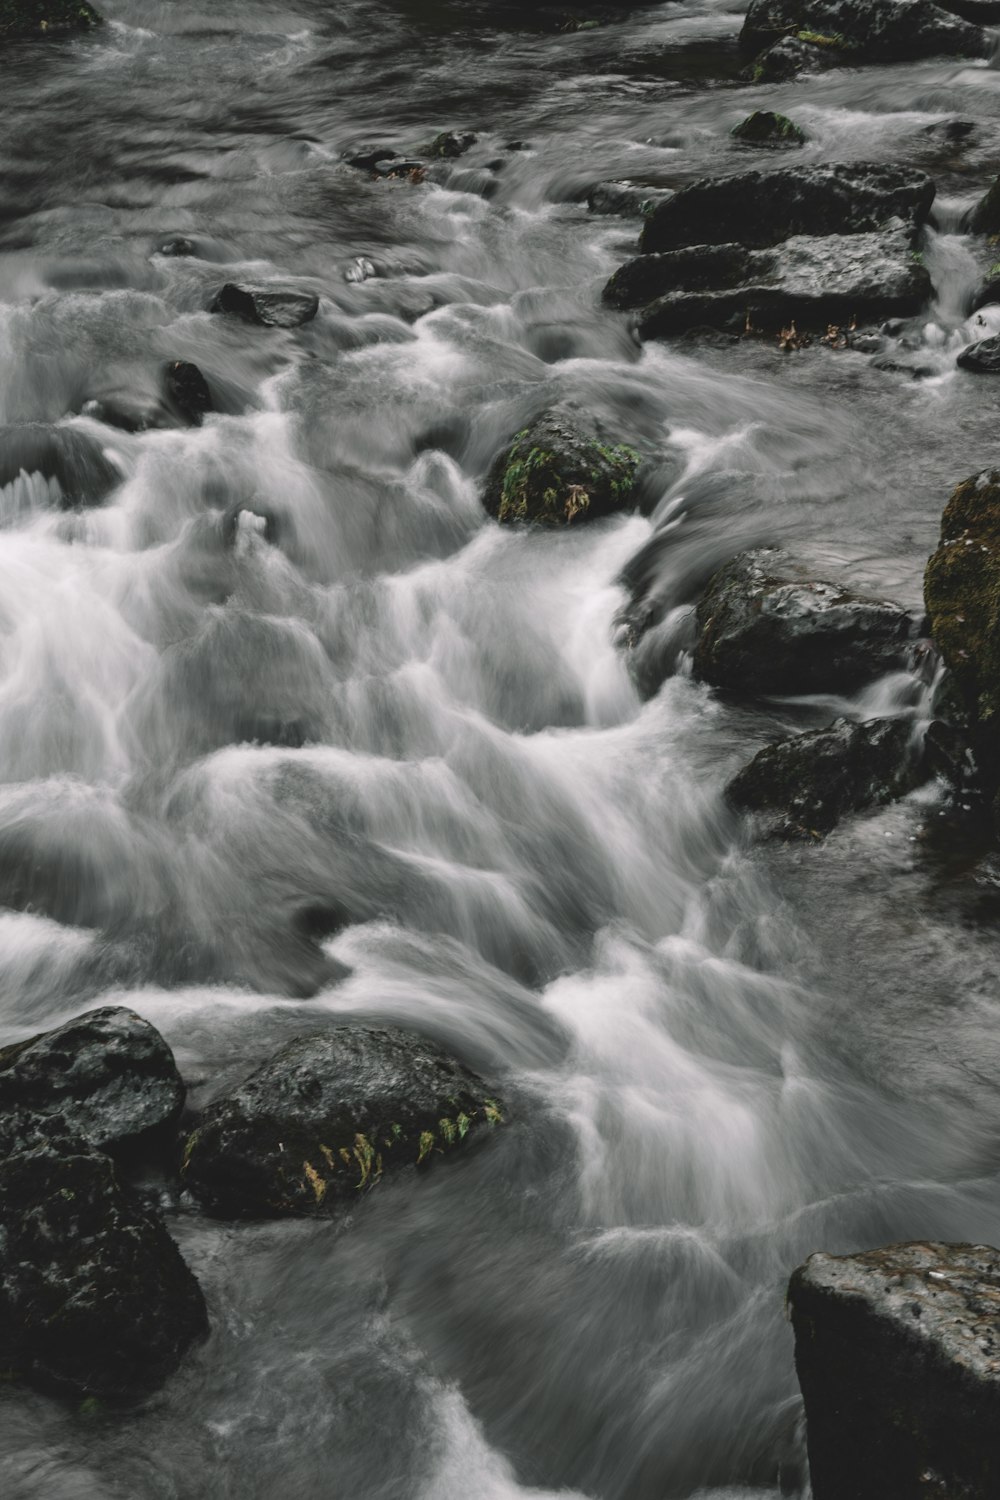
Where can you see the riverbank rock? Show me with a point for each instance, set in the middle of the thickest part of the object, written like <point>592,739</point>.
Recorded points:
<point>20,19</point>
<point>811,280</point>
<point>982,358</point>
<point>108,1077</point>
<point>95,1297</point>
<point>556,473</point>
<point>764,128</point>
<point>765,628</point>
<point>759,208</point>
<point>898,1356</point>
<point>867,30</point>
<point>804,785</point>
<point>72,463</point>
<point>962,594</point>
<point>274,306</point>
<point>326,1117</point>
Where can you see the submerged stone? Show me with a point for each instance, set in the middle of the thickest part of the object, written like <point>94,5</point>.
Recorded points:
<point>72,459</point>
<point>764,128</point>
<point>95,1297</point>
<point>41,18</point>
<point>804,785</point>
<point>558,474</point>
<point>765,628</point>
<point>271,305</point>
<point>630,199</point>
<point>898,1356</point>
<point>108,1077</point>
<point>326,1117</point>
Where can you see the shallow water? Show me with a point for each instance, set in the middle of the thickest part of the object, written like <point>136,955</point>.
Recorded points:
<point>391,764</point>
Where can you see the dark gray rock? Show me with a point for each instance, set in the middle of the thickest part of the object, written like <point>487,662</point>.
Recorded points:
<point>982,358</point>
<point>630,199</point>
<point>985,217</point>
<point>74,459</point>
<point>790,57</point>
<point>765,128</point>
<point>898,1357</point>
<point>177,245</point>
<point>695,268</point>
<point>108,1076</point>
<point>763,208</point>
<point>270,305</point>
<point>558,473</point>
<point>870,30</point>
<point>765,628</point>
<point>95,1297</point>
<point>326,1117</point>
<point>187,392</point>
<point>25,19</point>
<point>804,785</point>
<point>451,144</point>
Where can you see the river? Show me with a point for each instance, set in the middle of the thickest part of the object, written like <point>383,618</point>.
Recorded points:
<point>387,761</point>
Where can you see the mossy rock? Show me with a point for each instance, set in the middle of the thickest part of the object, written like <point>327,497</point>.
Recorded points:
<point>556,474</point>
<point>327,1117</point>
<point>962,594</point>
<point>764,128</point>
<point>39,18</point>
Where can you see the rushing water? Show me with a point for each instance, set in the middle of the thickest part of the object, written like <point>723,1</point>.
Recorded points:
<point>390,764</point>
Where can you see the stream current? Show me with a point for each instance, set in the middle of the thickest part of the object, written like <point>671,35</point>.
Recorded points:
<point>385,760</point>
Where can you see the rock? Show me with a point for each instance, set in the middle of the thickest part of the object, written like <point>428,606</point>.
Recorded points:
<point>271,305</point>
<point>764,128</point>
<point>41,18</point>
<point>187,392</point>
<point>108,1076</point>
<point>790,57</point>
<point>326,1117</point>
<point>869,30</point>
<point>985,217</point>
<point>765,628</point>
<point>367,157</point>
<point>177,245</point>
<point>95,1298</point>
<point>759,209</point>
<point>982,358</point>
<point>695,268</point>
<point>898,1356</point>
<point>411,167</point>
<point>805,784</point>
<point>630,199</point>
<point>450,144</point>
<point>811,280</point>
<point>66,458</point>
<point>962,594</point>
<point>558,474</point>
<point>129,411</point>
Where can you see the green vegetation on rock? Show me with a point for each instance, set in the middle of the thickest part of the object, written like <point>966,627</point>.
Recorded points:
<point>763,128</point>
<point>557,475</point>
<point>37,18</point>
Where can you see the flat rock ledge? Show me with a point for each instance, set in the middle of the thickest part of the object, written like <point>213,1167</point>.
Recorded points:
<point>898,1356</point>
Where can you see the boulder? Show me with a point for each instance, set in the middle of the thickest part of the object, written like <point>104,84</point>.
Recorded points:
<point>765,628</point>
<point>811,280</point>
<point>804,785</point>
<point>451,144</point>
<point>869,30</point>
<point>326,1117</point>
<point>764,128</point>
<point>72,462</point>
<point>108,1077</point>
<point>558,474</point>
<point>42,18</point>
<point>790,57</point>
<point>630,199</point>
<point>274,306</point>
<point>898,1356</point>
<point>187,392</point>
<point>95,1297</point>
<point>985,217</point>
<point>962,594</point>
<point>762,208</point>
<point>982,358</point>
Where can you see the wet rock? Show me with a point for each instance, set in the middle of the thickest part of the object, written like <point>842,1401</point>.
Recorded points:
<point>804,785</point>
<point>765,628</point>
<point>985,217</point>
<point>982,358</point>
<point>869,30</point>
<point>811,280</point>
<point>450,144</point>
<point>790,57</point>
<point>176,245</point>
<point>326,1117</point>
<point>764,128</point>
<point>41,18</point>
<point>630,199</point>
<point>187,392</point>
<point>759,209</point>
<point>557,473</point>
<point>95,1297</point>
<point>962,594</point>
<point>898,1356</point>
<point>271,305</point>
<point>128,411</point>
<point>695,268</point>
<point>411,167</point>
<point>71,461</point>
<point>108,1076</point>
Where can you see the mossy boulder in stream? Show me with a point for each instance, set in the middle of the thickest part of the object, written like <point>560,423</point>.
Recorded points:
<point>866,30</point>
<point>325,1118</point>
<point>555,473</point>
<point>40,18</point>
<point>764,128</point>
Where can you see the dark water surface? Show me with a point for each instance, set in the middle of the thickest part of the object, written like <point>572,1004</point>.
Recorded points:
<point>417,725</point>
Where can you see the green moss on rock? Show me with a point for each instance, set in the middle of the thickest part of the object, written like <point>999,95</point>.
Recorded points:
<point>556,474</point>
<point>38,18</point>
<point>764,128</point>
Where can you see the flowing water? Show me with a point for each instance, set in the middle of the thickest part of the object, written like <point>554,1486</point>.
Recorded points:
<point>359,752</point>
